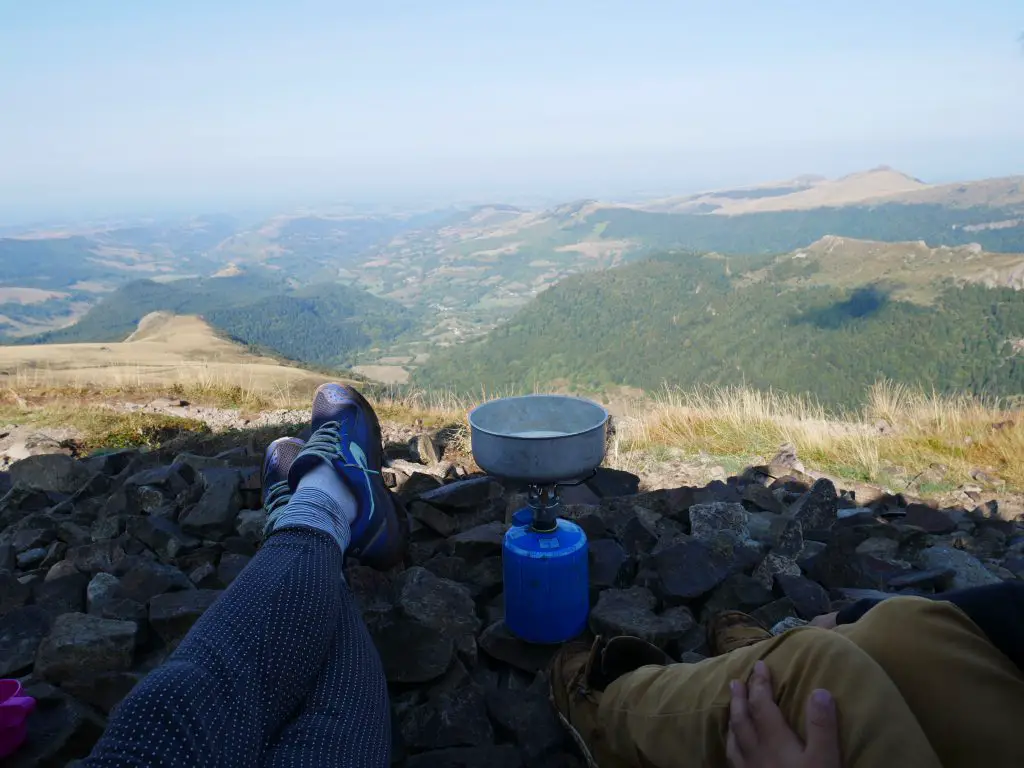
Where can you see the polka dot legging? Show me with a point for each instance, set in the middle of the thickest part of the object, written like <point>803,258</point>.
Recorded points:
<point>280,671</point>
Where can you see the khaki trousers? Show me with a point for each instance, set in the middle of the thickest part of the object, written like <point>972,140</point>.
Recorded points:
<point>916,683</point>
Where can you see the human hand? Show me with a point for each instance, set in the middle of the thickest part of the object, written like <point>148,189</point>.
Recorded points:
<point>825,621</point>
<point>760,737</point>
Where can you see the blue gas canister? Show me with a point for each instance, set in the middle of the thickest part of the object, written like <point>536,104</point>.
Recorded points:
<point>547,597</point>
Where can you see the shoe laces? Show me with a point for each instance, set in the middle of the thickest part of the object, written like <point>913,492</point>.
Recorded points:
<point>277,496</point>
<point>327,443</point>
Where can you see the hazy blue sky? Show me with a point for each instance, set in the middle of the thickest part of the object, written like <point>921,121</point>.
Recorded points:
<point>108,104</point>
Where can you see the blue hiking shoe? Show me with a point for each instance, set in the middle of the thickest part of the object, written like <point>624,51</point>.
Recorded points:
<point>276,463</point>
<point>346,433</point>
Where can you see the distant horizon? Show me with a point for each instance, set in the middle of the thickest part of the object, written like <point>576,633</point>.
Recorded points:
<point>424,202</point>
<point>159,108</point>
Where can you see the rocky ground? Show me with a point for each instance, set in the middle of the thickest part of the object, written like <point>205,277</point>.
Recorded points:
<point>107,561</point>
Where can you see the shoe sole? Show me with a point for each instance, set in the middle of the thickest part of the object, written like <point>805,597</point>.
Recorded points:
<point>400,512</point>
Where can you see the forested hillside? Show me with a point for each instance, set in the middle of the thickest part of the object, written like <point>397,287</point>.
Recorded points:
<point>683,319</point>
<point>780,231</point>
<point>323,324</point>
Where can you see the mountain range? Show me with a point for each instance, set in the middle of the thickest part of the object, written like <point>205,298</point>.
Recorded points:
<point>409,288</point>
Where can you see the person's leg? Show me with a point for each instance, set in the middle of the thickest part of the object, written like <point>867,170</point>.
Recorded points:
<point>345,720</point>
<point>245,667</point>
<point>678,715</point>
<point>966,694</point>
<point>264,650</point>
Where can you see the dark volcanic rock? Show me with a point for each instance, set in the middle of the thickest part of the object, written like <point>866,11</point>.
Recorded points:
<point>465,494</point>
<point>498,643</point>
<point>148,578</point>
<point>447,567</point>
<point>434,518</point>
<point>761,497</point>
<point>485,576</point>
<point>450,719</point>
<point>54,554</point>
<point>631,612</point>
<point>31,558</point>
<point>172,615</point>
<point>13,594</point>
<point>171,480</point>
<point>929,519</point>
<point>430,618</point>
<point>21,631</point>
<point>688,570</point>
<point>637,538</point>
<point>739,592</point>
<point>104,690</point>
<point>8,560</point>
<point>781,533</point>
<point>708,521</point>
<point>410,651</point>
<point>609,483</point>
<point>213,516</point>
<point>63,595</point>
<point>79,644</point>
<point>32,538</point>
<point>230,566</point>
<point>107,528</point>
<point>529,717</point>
<point>96,557</point>
<point>818,509</point>
<point>52,473</point>
<point>60,570</point>
<point>609,565</point>
<point>968,570</point>
<point>504,756</point>
<point>113,463</point>
<point>479,542</point>
<point>775,565</point>
<point>205,555</point>
<point>436,602</point>
<point>808,597</point>
<point>250,524</point>
<point>162,536</point>
<point>771,614</point>
<point>936,578</point>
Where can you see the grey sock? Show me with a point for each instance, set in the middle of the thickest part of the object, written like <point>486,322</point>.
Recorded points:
<point>322,501</point>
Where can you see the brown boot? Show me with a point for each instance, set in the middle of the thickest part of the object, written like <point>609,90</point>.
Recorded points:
<point>580,673</point>
<point>730,630</point>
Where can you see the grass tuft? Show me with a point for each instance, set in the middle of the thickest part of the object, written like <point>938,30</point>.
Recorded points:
<point>914,431</point>
<point>898,434</point>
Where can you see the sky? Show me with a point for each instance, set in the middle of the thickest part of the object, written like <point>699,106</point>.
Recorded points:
<point>109,106</point>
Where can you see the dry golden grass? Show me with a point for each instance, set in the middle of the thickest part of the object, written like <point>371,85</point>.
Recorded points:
<point>166,351</point>
<point>206,385</point>
<point>898,430</point>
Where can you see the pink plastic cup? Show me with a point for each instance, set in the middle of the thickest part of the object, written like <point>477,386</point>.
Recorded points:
<point>15,708</point>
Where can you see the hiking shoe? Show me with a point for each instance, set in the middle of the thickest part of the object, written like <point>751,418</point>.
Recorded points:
<point>346,434</point>
<point>730,630</point>
<point>276,463</point>
<point>580,673</point>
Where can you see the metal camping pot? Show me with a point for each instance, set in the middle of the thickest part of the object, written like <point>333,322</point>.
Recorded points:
<point>538,439</point>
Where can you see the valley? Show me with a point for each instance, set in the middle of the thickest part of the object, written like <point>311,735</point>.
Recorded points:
<point>572,295</point>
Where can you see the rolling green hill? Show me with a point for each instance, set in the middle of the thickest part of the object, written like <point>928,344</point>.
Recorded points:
<point>686,319</point>
<point>779,231</point>
<point>325,324</point>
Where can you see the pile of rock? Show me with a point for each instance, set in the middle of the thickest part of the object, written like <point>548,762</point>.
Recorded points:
<point>106,562</point>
